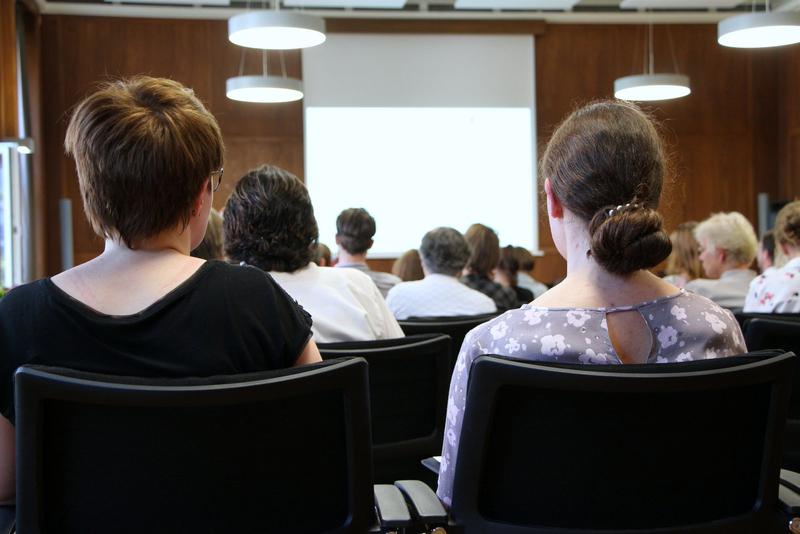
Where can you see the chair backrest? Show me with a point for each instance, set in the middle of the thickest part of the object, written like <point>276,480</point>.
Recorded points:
<point>455,327</point>
<point>674,448</point>
<point>774,333</point>
<point>284,451</point>
<point>408,382</point>
<point>743,317</point>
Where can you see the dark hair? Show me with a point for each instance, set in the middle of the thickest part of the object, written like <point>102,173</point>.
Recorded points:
<point>269,221</point>
<point>355,228</point>
<point>768,244</point>
<point>606,164</point>
<point>323,254</point>
<point>525,259</point>
<point>408,267</point>
<point>485,249</point>
<point>143,148</point>
<point>445,251</point>
<point>509,264</point>
<point>211,248</point>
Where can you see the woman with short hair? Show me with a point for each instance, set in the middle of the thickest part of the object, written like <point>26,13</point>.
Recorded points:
<point>777,290</point>
<point>683,264</point>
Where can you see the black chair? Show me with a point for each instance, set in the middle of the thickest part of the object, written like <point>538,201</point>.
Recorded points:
<point>283,451</point>
<point>678,448</point>
<point>743,317</point>
<point>455,327</point>
<point>408,380</point>
<point>776,332</point>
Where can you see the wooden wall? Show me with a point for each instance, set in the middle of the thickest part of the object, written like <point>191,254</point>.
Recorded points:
<point>8,70</point>
<point>736,135</point>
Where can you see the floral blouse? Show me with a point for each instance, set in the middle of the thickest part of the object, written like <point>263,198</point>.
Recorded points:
<point>685,327</point>
<point>775,291</point>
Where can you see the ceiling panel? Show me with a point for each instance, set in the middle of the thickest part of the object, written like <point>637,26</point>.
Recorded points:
<point>679,4</point>
<point>364,4</point>
<point>515,4</point>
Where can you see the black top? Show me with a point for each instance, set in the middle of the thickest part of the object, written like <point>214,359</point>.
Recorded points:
<point>224,319</point>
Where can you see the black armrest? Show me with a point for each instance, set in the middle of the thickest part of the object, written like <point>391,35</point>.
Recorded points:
<point>8,517</point>
<point>391,507</point>
<point>424,503</point>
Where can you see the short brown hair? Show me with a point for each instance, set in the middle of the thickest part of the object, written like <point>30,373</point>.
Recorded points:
<point>355,228</point>
<point>143,148</point>
<point>408,267</point>
<point>787,224</point>
<point>484,249</point>
<point>685,256</point>
<point>269,221</point>
<point>606,164</point>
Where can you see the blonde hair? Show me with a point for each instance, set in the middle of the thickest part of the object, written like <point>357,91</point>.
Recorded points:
<point>212,247</point>
<point>787,225</point>
<point>731,232</point>
<point>684,257</point>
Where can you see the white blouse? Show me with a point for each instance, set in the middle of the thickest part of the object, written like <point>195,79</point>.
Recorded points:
<point>776,291</point>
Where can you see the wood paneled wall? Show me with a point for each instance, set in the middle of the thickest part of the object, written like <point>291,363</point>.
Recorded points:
<point>8,69</point>
<point>725,138</point>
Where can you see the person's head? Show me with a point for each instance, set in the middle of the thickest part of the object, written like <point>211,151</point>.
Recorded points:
<point>269,221</point>
<point>787,229</point>
<point>484,250</point>
<point>444,251</point>
<point>323,257</point>
<point>354,230</point>
<point>525,259</point>
<point>765,258</point>
<point>684,257</point>
<point>212,247</point>
<point>604,168</point>
<point>508,266</point>
<point>147,153</point>
<point>408,267</point>
<point>726,241</point>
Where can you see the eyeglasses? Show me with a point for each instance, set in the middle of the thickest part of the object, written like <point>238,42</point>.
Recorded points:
<point>215,184</point>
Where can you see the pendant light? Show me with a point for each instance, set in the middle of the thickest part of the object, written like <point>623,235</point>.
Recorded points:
<point>760,30</point>
<point>276,29</point>
<point>652,86</point>
<point>263,88</point>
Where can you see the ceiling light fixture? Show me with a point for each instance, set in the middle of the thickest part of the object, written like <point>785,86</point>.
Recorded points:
<point>263,88</point>
<point>760,30</point>
<point>652,86</point>
<point>276,30</point>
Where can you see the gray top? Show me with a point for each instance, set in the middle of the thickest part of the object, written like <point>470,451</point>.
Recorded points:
<point>684,327</point>
<point>728,290</point>
<point>384,281</point>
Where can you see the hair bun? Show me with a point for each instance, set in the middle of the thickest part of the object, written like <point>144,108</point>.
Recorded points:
<point>628,238</point>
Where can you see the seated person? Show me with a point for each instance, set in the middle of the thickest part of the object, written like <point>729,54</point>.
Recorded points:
<point>408,266</point>
<point>149,159</point>
<point>525,277</point>
<point>354,230</point>
<point>683,264</point>
<point>609,309</point>
<point>777,290</point>
<point>270,224</point>
<point>479,271</point>
<point>444,253</point>
<point>727,248</point>
<point>211,247</point>
<point>323,258</point>
<point>506,275</point>
<point>765,257</point>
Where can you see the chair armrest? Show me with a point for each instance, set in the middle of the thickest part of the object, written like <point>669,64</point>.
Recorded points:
<point>8,517</point>
<point>390,506</point>
<point>791,480</point>
<point>433,463</point>
<point>424,503</point>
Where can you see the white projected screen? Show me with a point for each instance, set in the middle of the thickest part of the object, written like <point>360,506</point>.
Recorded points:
<point>415,169</point>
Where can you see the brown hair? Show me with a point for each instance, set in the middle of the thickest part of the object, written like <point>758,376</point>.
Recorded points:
<point>355,228</point>
<point>408,267</point>
<point>212,247</point>
<point>484,249</point>
<point>323,255</point>
<point>606,165</point>
<point>685,255</point>
<point>143,148</point>
<point>525,259</point>
<point>787,224</point>
<point>509,264</point>
<point>269,221</point>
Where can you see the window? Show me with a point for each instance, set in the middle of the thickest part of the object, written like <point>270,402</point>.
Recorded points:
<point>10,215</point>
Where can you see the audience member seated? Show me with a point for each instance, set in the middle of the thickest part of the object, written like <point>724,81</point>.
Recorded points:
<point>269,223</point>
<point>323,257</point>
<point>683,264</point>
<point>777,290</point>
<point>149,157</point>
<point>444,253</point>
<point>506,275</point>
<point>408,267</point>
<point>765,257</point>
<point>479,271</point>
<point>525,277</point>
<point>603,170</point>
<point>727,248</point>
<point>211,247</point>
<point>355,228</point>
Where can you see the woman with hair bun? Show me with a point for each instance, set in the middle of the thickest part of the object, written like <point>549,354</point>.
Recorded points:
<point>603,171</point>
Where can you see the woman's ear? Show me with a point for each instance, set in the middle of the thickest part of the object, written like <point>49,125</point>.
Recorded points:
<point>200,199</point>
<point>554,207</point>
